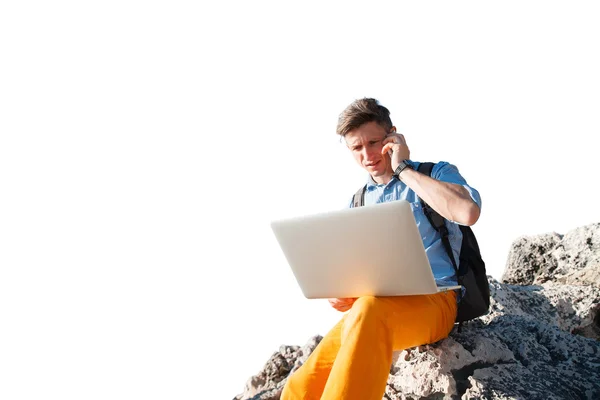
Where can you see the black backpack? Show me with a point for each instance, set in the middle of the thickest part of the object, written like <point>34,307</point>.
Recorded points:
<point>471,270</point>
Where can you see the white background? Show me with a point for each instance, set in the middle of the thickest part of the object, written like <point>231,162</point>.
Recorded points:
<point>146,146</point>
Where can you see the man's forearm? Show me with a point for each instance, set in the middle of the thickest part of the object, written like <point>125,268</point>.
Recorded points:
<point>451,201</point>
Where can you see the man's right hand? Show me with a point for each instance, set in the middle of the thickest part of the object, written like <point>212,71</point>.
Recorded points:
<point>342,304</point>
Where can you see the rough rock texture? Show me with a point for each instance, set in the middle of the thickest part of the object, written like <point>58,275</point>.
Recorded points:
<point>530,260</point>
<point>537,342</point>
<point>572,259</point>
<point>268,383</point>
<point>523,349</point>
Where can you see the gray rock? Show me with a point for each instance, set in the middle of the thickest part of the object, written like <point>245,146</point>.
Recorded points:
<point>578,256</point>
<point>572,259</point>
<point>530,258</point>
<point>539,341</point>
<point>573,309</point>
<point>268,383</point>
<point>523,349</point>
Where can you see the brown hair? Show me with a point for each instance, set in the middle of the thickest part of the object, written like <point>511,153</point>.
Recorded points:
<point>360,112</point>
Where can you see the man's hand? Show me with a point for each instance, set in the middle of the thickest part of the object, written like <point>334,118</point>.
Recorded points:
<point>342,304</point>
<point>396,143</point>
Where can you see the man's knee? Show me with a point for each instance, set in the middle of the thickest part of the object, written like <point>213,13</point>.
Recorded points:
<point>365,308</point>
<point>366,304</point>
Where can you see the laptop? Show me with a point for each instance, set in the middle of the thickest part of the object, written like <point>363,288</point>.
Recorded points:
<point>373,250</point>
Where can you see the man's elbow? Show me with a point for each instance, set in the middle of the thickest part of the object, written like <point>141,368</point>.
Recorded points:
<point>470,214</point>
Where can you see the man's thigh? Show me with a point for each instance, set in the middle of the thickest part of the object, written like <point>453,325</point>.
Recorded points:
<point>417,320</point>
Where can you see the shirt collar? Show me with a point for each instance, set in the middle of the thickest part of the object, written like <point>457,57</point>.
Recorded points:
<point>371,184</point>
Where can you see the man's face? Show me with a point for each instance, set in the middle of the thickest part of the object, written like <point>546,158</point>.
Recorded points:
<point>365,143</point>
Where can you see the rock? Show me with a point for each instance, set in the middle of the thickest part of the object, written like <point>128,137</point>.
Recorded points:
<point>530,258</point>
<point>572,259</point>
<point>521,349</point>
<point>539,341</point>
<point>578,256</point>
<point>268,383</point>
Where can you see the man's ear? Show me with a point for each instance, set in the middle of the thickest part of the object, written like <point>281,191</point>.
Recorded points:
<point>393,129</point>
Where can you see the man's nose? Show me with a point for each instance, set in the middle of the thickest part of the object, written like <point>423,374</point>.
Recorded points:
<point>369,154</point>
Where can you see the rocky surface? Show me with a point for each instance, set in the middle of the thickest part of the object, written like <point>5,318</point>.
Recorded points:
<point>540,339</point>
<point>571,259</point>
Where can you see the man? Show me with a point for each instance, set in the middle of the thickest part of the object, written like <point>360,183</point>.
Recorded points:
<point>353,360</point>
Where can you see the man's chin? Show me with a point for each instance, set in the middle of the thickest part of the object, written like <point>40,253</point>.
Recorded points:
<point>376,171</point>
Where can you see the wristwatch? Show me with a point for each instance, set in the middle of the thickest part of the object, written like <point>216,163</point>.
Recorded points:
<point>402,166</point>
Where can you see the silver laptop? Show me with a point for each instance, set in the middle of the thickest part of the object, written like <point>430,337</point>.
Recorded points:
<point>372,250</point>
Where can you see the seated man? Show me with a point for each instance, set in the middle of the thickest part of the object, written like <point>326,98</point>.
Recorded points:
<point>353,360</point>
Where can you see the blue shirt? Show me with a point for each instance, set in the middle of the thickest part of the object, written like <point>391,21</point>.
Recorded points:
<point>440,262</point>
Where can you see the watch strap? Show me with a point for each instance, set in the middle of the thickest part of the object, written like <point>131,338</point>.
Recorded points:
<point>402,166</point>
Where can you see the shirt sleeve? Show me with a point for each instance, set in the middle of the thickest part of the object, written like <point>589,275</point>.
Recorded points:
<point>446,172</point>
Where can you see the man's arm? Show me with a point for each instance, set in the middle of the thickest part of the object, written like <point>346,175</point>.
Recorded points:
<point>450,200</point>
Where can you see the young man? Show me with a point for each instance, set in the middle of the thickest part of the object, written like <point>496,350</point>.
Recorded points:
<point>353,360</point>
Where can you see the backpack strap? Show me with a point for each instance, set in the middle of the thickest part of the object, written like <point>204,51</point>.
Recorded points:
<point>425,168</point>
<point>358,200</point>
<point>436,220</point>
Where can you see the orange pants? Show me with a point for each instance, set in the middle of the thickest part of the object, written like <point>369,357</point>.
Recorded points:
<point>353,360</point>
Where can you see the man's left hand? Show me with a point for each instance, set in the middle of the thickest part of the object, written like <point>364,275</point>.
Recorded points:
<point>342,304</point>
<point>396,143</point>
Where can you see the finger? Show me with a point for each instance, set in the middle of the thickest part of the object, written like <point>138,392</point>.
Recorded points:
<point>390,139</point>
<point>387,147</point>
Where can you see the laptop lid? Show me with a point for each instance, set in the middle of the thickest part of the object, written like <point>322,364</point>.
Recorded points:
<point>372,250</point>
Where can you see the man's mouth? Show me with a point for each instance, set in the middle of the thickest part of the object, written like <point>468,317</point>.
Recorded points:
<point>370,164</point>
